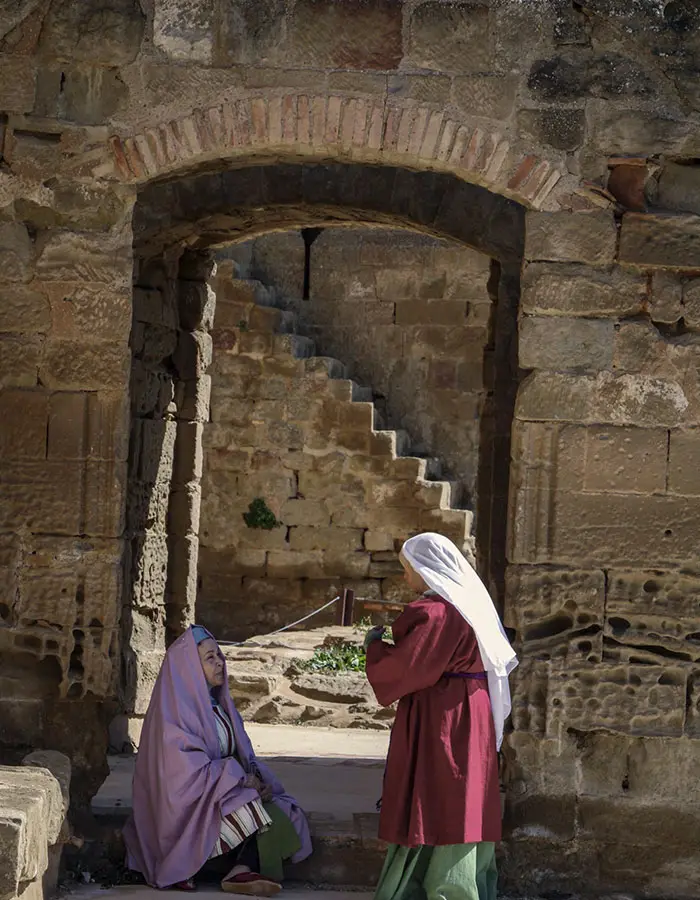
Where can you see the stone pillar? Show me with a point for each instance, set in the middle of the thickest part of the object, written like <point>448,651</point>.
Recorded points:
<point>196,303</point>
<point>64,362</point>
<point>173,310</point>
<point>604,501</point>
<point>151,461</point>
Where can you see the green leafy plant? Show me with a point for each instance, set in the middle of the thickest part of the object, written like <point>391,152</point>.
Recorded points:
<point>336,656</point>
<point>260,515</point>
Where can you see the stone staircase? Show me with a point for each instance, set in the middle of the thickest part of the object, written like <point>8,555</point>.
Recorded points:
<point>250,319</point>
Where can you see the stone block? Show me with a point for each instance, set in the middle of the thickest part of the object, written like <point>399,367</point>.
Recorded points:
<point>345,565</point>
<point>105,498</point>
<point>660,241</point>
<point>378,541</point>
<point>640,400</point>
<point>563,344</point>
<point>333,539</point>
<point>431,312</point>
<point>684,462</point>
<point>421,88</point>
<point>608,820</point>
<point>184,30</point>
<point>305,512</point>
<point>23,309</point>
<point>20,357</point>
<point>295,564</point>
<point>602,529</point>
<point>556,611</point>
<point>47,596</point>
<point>578,291</point>
<point>75,365</point>
<point>41,495</point>
<point>32,816</point>
<point>17,84</point>
<point>620,460</point>
<point>250,33</point>
<point>490,96</point>
<point>582,237</point>
<point>108,36</point>
<point>666,298</point>
<point>454,38</point>
<point>59,765</point>
<point>556,127</point>
<point>645,700</point>
<point>83,257</point>
<point>691,302</point>
<point>651,616</point>
<point>78,312</point>
<point>16,252</point>
<point>24,414</point>
<point>345,35</point>
<point>67,426</point>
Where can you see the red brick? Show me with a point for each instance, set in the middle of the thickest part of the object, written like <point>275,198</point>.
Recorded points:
<point>122,163</point>
<point>332,120</point>
<point>289,119</point>
<point>304,121</point>
<point>133,157</point>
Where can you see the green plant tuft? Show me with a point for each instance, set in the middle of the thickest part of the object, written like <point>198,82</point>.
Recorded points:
<point>339,656</point>
<point>260,515</point>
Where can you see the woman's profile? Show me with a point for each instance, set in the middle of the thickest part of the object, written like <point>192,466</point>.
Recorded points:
<point>448,668</point>
<point>199,790</point>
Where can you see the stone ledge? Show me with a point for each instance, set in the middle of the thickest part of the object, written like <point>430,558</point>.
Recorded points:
<point>32,815</point>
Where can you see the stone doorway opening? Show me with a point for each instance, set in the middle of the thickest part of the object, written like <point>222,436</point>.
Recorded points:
<point>178,227</point>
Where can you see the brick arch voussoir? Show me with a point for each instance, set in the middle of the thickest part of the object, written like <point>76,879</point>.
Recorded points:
<point>345,128</point>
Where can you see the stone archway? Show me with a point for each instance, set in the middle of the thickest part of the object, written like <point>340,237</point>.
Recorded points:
<point>207,209</point>
<point>342,127</point>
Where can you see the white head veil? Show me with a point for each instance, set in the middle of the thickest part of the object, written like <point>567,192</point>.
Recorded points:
<point>445,570</point>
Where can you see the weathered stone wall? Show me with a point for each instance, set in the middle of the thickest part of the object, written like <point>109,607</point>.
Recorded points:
<point>285,429</point>
<point>604,558</point>
<point>396,110</point>
<point>65,300</point>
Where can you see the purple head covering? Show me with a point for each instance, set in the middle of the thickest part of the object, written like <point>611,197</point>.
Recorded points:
<point>182,786</point>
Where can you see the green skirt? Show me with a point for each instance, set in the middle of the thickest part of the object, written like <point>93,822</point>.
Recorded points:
<point>277,843</point>
<point>452,872</point>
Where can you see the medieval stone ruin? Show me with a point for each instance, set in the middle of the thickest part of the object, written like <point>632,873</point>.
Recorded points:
<point>493,333</point>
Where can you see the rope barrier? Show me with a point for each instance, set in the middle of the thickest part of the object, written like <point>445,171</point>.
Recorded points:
<point>286,627</point>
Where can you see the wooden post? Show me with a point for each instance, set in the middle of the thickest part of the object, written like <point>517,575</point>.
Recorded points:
<point>347,607</point>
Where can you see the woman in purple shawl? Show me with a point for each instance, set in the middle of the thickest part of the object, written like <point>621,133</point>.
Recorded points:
<point>199,791</point>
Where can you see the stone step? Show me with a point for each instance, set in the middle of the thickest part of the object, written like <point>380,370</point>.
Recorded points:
<point>398,441</point>
<point>361,393</point>
<point>335,774</point>
<point>296,345</point>
<point>334,368</point>
<point>288,322</point>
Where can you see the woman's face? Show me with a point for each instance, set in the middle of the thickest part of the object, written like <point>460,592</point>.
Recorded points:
<point>212,662</point>
<point>413,579</point>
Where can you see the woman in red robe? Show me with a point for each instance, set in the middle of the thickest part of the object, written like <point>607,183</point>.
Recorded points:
<point>448,668</point>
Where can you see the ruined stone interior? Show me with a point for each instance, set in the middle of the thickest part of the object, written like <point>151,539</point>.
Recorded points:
<point>500,342</point>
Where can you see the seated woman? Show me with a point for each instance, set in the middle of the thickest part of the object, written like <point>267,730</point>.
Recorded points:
<point>199,791</point>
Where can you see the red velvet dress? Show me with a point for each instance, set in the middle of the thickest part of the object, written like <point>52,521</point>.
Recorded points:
<point>441,781</point>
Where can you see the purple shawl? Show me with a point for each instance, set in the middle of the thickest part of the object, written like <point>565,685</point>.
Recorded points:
<point>182,786</point>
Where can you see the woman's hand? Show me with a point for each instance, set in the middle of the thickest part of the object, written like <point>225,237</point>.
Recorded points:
<point>374,634</point>
<point>254,783</point>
